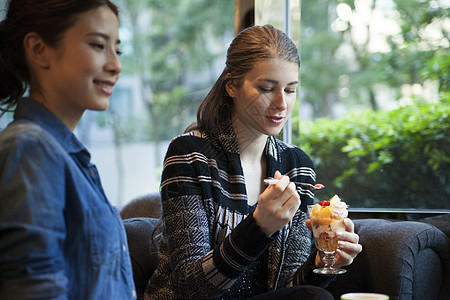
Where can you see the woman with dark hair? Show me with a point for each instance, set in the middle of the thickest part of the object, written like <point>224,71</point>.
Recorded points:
<point>226,235</point>
<point>60,238</point>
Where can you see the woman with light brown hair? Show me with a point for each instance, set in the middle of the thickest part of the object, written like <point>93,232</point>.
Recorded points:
<point>226,235</point>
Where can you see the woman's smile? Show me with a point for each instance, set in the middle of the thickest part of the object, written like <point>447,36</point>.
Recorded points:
<point>105,86</point>
<point>275,120</point>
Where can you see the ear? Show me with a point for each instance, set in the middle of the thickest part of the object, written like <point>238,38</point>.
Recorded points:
<point>36,50</point>
<point>230,88</point>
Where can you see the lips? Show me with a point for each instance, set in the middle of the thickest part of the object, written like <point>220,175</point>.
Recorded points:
<point>275,119</point>
<point>105,86</point>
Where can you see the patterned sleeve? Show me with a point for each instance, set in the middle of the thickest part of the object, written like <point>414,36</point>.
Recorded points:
<point>199,267</point>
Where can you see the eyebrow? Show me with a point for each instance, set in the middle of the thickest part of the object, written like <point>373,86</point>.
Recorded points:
<point>277,82</point>
<point>105,36</point>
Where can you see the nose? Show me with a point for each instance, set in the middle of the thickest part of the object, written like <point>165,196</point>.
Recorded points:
<point>279,100</point>
<point>113,65</point>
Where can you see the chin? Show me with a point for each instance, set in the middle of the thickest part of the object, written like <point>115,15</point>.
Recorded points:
<point>272,132</point>
<point>101,106</point>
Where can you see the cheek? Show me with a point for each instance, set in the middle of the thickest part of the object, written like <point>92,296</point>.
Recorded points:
<point>265,99</point>
<point>257,100</point>
<point>258,106</point>
<point>246,100</point>
<point>86,62</point>
<point>291,102</point>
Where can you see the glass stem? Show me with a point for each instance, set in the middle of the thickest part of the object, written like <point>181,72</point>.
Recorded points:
<point>329,260</point>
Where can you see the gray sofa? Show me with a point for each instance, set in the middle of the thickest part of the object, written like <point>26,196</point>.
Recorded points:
<point>403,259</point>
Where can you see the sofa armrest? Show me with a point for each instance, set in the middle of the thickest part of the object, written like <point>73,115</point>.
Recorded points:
<point>143,250</point>
<point>145,206</point>
<point>406,260</point>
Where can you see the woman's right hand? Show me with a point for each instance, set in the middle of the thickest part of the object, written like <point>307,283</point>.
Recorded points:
<point>277,205</point>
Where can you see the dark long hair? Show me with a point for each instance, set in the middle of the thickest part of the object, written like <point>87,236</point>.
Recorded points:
<point>249,47</point>
<point>50,19</point>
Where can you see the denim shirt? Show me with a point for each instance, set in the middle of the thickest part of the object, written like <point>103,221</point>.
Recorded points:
<point>60,238</point>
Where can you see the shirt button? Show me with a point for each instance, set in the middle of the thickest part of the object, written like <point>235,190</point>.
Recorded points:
<point>133,293</point>
<point>124,248</point>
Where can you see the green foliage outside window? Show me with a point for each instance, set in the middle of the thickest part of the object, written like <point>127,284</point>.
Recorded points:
<point>168,46</point>
<point>174,50</point>
<point>390,159</point>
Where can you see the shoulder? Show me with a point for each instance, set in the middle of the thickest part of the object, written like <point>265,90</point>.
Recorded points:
<point>193,141</point>
<point>189,136</point>
<point>30,157</point>
<point>24,138</point>
<point>23,133</point>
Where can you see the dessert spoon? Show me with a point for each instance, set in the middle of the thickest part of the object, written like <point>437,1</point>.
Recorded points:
<point>317,186</point>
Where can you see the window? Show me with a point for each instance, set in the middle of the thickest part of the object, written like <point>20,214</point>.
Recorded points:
<point>374,98</point>
<point>373,110</point>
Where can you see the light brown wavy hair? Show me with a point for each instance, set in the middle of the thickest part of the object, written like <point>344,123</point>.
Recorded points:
<point>249,47</point>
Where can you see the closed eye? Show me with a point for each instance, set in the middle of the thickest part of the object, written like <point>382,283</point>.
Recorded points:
<point>266,90</point>
<point>98,46</point>
<point>290,91</point>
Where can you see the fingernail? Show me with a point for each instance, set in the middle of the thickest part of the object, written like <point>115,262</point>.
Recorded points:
<point>341,243</point>
<point>339,233</point>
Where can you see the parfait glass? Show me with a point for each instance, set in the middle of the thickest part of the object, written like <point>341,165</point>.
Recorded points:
<point>324,228</point>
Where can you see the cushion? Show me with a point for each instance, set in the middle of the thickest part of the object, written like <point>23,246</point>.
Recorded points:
<point>143,243</point>
<point>147,206</point>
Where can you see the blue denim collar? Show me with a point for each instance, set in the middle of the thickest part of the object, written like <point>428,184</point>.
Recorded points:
<point>31,110</point>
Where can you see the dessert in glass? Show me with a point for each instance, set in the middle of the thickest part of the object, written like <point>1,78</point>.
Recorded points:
<point>327,217</point>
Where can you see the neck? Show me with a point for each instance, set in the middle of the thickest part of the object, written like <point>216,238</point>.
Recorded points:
<point>66,116</point>
<point>251,143</point>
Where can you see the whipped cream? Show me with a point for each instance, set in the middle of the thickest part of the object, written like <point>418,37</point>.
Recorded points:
<point>338,208</point>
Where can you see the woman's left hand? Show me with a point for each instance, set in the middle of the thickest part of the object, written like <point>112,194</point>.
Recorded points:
<point>348,246</point>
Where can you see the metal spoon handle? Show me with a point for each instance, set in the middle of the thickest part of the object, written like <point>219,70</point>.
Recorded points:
<point>317,186</point>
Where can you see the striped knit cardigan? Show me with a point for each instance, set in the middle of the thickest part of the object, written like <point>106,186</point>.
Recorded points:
<point>211,244</point>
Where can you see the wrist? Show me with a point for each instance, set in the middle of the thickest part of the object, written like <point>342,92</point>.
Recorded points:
<point>267,231</point>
